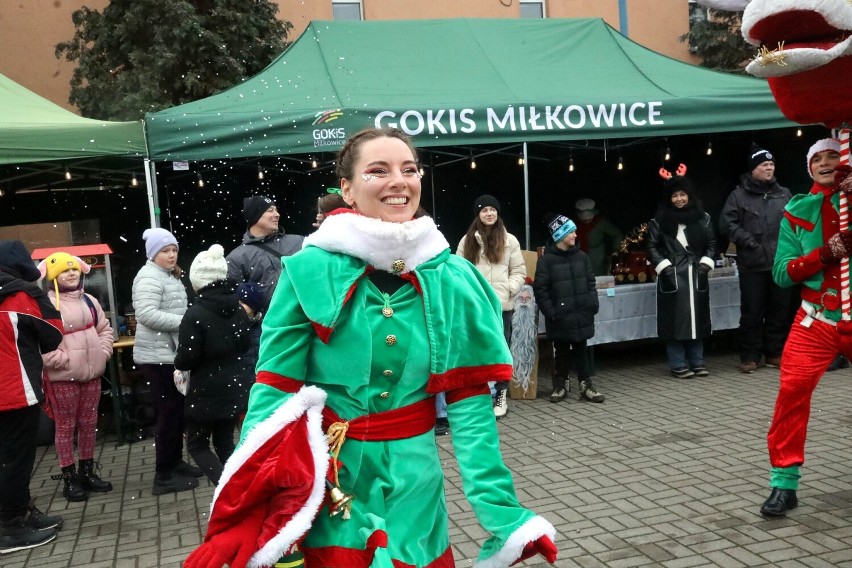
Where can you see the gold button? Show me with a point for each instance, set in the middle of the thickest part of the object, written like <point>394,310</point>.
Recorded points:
<point>398,266</point>
<point>390,339</point>
<point>385,394</point>
<point>387,373</point>
<point>387,312</point>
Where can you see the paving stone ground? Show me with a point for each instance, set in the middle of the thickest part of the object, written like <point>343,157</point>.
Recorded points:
<point>666,472</point>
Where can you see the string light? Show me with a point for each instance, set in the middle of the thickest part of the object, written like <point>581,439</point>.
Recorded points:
<point>799,132</point>
<point>133,181</point>
<point>2,193</point>
<point>422,171</point>
<point>314,163</point>
<point>67,173</point>
<point>200,180</point>
<point>521,160</point>
<point>709,148</point>
<point>668,155</point>
<point>260,172</point>
<point>620,163</point>
<point>472,161</point>
<point>571,164</point>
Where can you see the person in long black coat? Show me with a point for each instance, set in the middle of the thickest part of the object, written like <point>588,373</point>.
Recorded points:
<point>213,341</point>
<point>681,247</point>
<point>564,288</point>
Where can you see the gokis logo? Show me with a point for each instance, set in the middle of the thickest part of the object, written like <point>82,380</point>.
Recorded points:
<point>328,136</point>
<point>327,116</point>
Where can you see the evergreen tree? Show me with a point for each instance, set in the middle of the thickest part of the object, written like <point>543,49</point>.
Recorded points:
<point>718,40</point>
<point>141,56</point>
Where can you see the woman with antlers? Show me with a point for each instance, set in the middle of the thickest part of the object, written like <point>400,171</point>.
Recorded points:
<point>681,247</point>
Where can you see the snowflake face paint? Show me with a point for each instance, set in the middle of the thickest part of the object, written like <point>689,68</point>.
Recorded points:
<point>388,185</point>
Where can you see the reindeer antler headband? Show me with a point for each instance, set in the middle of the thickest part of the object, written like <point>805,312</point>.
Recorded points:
<point>666,174</point>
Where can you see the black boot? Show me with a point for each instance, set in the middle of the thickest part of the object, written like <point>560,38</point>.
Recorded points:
<point>73,490</point>
<point>172,483</point>
<point>561,386</point>
<point>780,501</point>
<point>588,392</point>
<point>90,479</point>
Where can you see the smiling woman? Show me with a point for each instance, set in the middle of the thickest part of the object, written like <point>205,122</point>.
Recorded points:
<point>370,320</point>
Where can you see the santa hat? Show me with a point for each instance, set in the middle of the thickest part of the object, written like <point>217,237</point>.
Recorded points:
<point>157,239</point>
<point>57,263</point>
<point>821,146</point>
<point>208,267</point>
<point>561,226</point>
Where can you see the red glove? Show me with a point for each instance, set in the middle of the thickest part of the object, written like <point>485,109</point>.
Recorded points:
<point>543,546</point>
<point>842,179</point>
<point>233,546</point>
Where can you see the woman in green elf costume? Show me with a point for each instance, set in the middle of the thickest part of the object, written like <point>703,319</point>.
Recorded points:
<point>370,320</point>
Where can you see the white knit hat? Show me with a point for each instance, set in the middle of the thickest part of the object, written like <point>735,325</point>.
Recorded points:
<point>157,239</point>
<point>209,266</point>
<point>821,146</point>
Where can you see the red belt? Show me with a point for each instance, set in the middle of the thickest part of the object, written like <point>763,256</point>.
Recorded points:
<point>397,424</point>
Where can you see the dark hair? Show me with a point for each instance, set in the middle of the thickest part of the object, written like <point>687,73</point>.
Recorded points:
<point>329,202</point>
<point>349,154</point>
<point>493,240</point>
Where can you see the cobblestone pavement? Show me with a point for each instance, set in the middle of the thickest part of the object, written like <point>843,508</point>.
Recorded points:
<point>666,472</point>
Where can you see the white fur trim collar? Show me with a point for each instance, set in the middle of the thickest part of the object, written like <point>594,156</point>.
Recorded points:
<point>379,243</point>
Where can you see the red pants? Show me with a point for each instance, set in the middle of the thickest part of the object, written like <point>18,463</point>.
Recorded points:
<point>807,354</point>
<point>76,410</point>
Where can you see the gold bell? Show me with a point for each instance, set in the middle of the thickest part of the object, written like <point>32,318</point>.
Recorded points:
<point>340,500</point>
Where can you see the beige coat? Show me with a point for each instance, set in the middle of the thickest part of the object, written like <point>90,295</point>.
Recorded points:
<point>86,346</point>
<point>506,276</point>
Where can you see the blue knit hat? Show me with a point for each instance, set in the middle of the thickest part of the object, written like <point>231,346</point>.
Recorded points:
<point>560,227</point>
<point>251,295</point>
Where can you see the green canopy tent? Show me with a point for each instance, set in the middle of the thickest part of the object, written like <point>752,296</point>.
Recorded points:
<point>42,139</point>
<point>460,82</point>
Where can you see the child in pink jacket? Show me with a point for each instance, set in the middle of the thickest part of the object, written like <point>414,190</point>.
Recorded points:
<point>74,371</point>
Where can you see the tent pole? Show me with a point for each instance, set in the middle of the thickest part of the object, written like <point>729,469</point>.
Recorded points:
<point>527,196</point>
<point>432,175</point>
<point>151,185</point>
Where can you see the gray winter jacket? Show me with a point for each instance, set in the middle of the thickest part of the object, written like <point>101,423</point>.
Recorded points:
<point>751,219</point>
<point>250,262</point>
<point>159,300</point>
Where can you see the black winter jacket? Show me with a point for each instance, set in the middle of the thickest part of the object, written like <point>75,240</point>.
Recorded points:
<point>683,295</point>
<point>213,339</point>
<point>564,288</point>
<point>751,219</point>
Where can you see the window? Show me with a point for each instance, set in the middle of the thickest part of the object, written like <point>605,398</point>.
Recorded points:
<point>346,10</point>
<point>697,14</point>
<point>532,8</point>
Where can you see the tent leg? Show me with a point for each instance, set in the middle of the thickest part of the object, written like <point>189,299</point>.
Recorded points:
<point>153,199</point>
<point>527,197</point>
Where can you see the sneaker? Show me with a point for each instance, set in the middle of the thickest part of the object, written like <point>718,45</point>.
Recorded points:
<point>442,426</point>
<point>748,367</point>
<point>172,484</point>
<point>186,470</point>
<point>558,394</point>
<point>501,404</point>
<point>16,535</point>
<point>700,372</point>
<point>682,373</point>
<point>773,362</point>
<point>37,520</point>
<point>588,392</point>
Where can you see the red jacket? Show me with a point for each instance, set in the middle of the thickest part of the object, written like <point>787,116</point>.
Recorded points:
<point>29,326</point>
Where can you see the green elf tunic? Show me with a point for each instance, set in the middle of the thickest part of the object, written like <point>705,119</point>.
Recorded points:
<point>334,345</point>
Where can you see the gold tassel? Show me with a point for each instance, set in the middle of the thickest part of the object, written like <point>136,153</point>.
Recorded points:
<point>769,56</point>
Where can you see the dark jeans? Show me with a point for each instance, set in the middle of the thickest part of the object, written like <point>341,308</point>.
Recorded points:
<point>766,314</point>
<point>17,457</point>
<point>168,406</point>
<point>564,353</point>
<point>198,436</point>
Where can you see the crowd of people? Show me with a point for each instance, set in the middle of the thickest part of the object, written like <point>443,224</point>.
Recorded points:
<point>337,357</point>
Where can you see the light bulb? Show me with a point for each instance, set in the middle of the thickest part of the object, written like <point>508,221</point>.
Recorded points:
<point>521,160</point>
<point>571,164</point>
<point>472,164</point>
<point>799,132</point>
<point>67,173</point>
<point>313,163</point>
<point>134,182</point>
<point>200,181</point>
<point>422,171</point>
<point>260,172</point>
<point>620,163</point>
<point>668,155</point>
<point>709,148</point>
